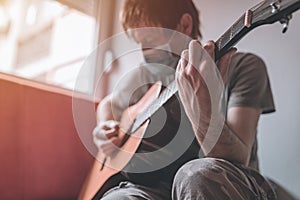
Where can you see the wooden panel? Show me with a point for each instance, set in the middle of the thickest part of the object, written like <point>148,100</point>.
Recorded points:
<point>10,144</point>
<point>41,154</point>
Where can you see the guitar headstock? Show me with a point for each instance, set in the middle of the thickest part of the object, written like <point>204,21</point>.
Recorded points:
<point>266,12</point>
<point>270,11</point>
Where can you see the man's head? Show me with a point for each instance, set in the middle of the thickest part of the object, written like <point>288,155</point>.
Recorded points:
<point>156,24</point>
<point>179,15</point>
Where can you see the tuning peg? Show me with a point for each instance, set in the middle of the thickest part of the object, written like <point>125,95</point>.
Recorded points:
<point>275,7</point>
<point>285,21</point>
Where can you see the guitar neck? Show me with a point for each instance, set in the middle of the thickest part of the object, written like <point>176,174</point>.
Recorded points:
<point>239,29</point>
<point>223,44</point>
<point>266,12</point>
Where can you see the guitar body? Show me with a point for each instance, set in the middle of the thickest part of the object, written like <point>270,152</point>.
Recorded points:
<point>99,174</point>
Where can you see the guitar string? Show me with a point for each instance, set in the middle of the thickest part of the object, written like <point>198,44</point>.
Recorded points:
<point>166,94</point>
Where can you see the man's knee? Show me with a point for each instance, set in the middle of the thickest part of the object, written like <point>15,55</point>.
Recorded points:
<point>199,177</point>
<point>198,172</point>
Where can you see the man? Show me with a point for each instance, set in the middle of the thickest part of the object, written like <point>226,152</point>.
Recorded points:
<point>155,181</point>
<point>230,169</point>
<point>248,94</point>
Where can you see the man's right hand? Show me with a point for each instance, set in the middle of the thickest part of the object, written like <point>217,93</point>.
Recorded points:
<point>106,138</point>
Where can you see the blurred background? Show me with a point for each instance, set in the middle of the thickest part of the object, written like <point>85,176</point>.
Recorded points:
<point>46,40</point>
<point>45,43</point>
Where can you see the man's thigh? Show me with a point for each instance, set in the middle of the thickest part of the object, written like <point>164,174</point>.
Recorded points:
<point>129,191</point>
<point>210,178</point>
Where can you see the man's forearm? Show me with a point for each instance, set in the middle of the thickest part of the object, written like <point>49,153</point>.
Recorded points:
<point>226,144</point>
<point>230,147</point>
<point>104,111</point>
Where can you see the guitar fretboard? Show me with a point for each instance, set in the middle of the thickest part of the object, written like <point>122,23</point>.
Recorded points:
<point>230,33</point>
<point>233,35</point>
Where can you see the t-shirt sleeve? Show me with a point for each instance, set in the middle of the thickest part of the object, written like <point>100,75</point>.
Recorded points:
<point>128,90</point>
<point>249,83</point>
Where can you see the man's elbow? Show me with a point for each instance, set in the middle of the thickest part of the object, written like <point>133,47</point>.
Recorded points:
<point>241,156</point>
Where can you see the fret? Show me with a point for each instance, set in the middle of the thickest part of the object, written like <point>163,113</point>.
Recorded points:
<point>238,25</point>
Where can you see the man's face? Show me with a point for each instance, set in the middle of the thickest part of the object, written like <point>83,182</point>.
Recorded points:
<point>150,36</point>
<point>158,43</point>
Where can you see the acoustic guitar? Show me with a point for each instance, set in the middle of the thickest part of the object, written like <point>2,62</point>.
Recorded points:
<point>135,119</point>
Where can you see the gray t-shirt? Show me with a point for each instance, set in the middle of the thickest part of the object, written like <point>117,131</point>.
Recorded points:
<point>164,149</point>
<point>248,85</point>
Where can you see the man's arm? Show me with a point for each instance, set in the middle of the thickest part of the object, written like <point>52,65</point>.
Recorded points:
<point>236,140</point>
<point>105,134</point>
<point>104,111</point>
<point>236,137</point>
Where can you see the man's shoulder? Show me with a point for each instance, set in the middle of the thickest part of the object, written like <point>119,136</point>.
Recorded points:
<point>246,58</point>
<point>247,62</point>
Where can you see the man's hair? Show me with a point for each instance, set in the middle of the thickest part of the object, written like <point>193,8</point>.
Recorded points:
<point>166,13</point>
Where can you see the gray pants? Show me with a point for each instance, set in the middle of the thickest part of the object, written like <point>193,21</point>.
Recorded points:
<point>205,178</point>
<point>210,178</point>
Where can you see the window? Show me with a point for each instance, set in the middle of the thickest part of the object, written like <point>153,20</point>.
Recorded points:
<point>47,40</point>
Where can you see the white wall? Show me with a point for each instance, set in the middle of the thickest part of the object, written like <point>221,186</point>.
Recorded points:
<point>279,141</point>
<point>279,138</point>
